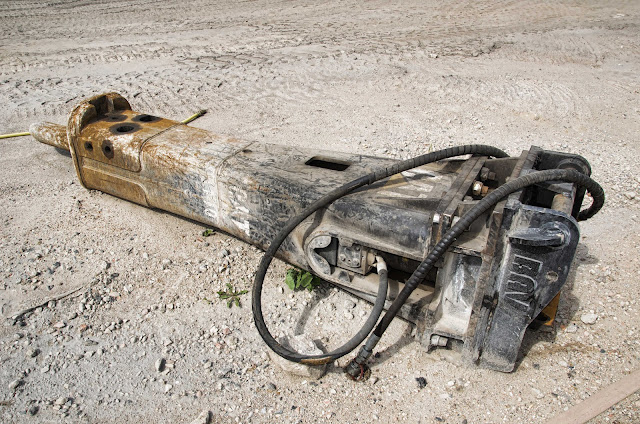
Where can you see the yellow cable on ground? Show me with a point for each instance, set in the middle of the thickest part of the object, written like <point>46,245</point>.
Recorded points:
<point>186,121</point>
<point>194,116</point>
<point>22,134</point>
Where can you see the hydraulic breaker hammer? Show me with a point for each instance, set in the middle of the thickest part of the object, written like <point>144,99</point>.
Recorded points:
<point>467,243</point>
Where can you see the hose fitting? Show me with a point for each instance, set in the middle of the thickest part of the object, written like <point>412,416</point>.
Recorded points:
<point>357,369</point>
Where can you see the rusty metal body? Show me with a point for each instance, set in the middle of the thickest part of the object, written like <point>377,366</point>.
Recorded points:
<point>250,190</point>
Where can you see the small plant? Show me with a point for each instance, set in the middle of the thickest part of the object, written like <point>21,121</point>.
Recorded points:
<point>208,232</point>
<point>231,296</point>
<point>297,279</point>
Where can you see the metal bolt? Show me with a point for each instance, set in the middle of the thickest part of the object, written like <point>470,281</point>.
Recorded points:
<point>342,257</point>
<point>437,340</point>
<point>477,188</point>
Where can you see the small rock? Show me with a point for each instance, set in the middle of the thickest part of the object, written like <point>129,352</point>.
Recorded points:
<point>571,328</point>
<point>60,324</point>
<point>304,345</point>
<point>32,353</point>
<point>224,253</point>
<point>167,388</point>
<point>537,392</point>
<point>271,387</point>
<point>349,304</point>
<point>15,384</point>
<point>160,363</point>
<point>204,418</point>
<point>33,410</point>
<point>166,263</point>
<point>422,382</point>
<point>589,318</point>
<point>348,315</point>
<point>630,195</point>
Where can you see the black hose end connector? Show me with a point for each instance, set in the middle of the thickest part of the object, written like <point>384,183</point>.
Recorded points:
<point>356,371</point>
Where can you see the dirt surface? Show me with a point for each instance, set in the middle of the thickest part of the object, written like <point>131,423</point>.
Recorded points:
<point>384,79</point>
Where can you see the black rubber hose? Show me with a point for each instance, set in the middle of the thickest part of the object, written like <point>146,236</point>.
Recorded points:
<point>568,175</point>
<point>321,203</point>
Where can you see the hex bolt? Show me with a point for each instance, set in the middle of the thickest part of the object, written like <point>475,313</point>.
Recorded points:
<point>486,174</point>
<point>342,257</point>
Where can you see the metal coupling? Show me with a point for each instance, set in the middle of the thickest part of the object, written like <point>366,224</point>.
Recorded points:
<point>357,369</point>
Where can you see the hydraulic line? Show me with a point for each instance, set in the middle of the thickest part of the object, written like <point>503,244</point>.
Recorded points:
<point>378,307</point>
<point>567,175</point>
<point>324,201</point>
<point>493,198</point>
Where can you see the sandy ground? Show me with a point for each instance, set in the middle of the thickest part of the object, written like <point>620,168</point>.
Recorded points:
<point>390,80</point>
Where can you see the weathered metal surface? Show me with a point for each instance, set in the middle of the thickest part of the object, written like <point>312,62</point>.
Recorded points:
<point>51,134</point>
<point>480,298</point>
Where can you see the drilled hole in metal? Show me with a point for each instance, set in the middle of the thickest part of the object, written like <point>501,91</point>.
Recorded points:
<point>107,149</point>
<point>88,146</point>
<point>125,128</point>
<point>146,118</point>
<point>552,276</point>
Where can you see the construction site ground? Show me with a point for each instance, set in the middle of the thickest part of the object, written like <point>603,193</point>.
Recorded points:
<point>141,336</point>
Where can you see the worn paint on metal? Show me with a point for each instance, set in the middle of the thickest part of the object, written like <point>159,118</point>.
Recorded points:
<point>251,190</point>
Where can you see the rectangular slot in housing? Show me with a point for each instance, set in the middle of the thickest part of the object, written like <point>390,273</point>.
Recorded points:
<point>326,163</point>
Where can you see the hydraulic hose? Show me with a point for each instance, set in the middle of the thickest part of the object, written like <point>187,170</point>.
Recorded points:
<point>324,201</point>
<point>568,175</point>
<point>378,307</point>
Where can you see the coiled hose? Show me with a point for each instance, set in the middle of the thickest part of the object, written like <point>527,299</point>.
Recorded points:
<point>324,201</point>
<point>355,368</point>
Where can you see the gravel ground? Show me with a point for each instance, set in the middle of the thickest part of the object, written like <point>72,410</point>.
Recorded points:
<point>143,337</point>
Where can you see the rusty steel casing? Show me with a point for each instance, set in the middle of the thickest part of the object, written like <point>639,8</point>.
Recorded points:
<point>251,190</point>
